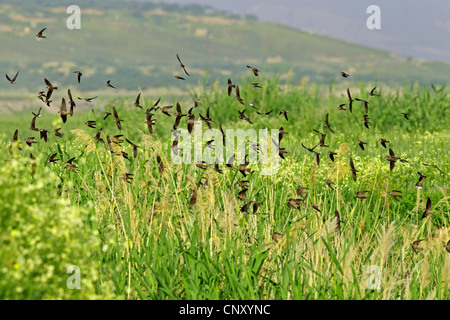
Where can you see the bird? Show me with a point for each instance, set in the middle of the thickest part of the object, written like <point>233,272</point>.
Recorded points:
<point>372,92</point>
<point>427,211</point>
<point>329,183</point>
<point>322,138</point>
<point>90,123</point>
<point>51,158</point>
<point>33,124</point>
<point>447,247</point>
<point>361,144</point>
<point>63,110</point>
<point>116,119</point>
<point>341,106</point>
<point>29,141</point>
<point>264,114</point>
<point>352,168</point>
<point>241,195</point>
<point>108,84</point>
<point>243,183</point>
<point>366,104</point>
<point>79,75</point>
<point>71,102</point>
<point>182,65</point>
<point>43,134</point>
<point>383,142</point>
<point>310,149</point>
<point>179,78</point>
<point>165,110</point>
<point>38,114</point>
<point>50,89</point>
<point>317,156</point>
<point>255,71</point>
<point>344,74</point>
<point>13,80</point>
<point>392,159</point>
<point>419,184</point>
<point>361,194</point>
<point>193,199</point>
<point>434,166</point>
<point>284,112</point>
<point>332,154</point>
<point>350,100</point>
<point>57,133</point>
<point>337,219</point>
<point>415,245</point>
<point>97,136</point>
<point>238,96</point>
<point>70,166</point>
<point>87,99</point>
<point>155,105</point>
<point>395,194</point>
<point>160,164</point>
<point>281,133</point>
<point>40,34</point>
<point>15,141</point>
<point>191,122</point>
<point>230,86</point>
<point>243,117</point>
<point>245,208</point>
<point>406,115</point>
<point>366,121</point>
<point>127,177</point>
<point>294,203</point>
<point>137,103</point>
<point>256,85</point>
<point>327,124</point>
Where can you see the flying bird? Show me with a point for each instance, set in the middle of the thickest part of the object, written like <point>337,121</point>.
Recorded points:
<point>79,75</point>
<point>327,124</point>
<point>40,34</point>
<point>366,121</point>
<point>350,100</point>
<point>353,169</point>
<point>284,112</point>
<point>419,184</point>
<point>396,194</point>
<point>434,166</point>
<point>405,115</point>
<point>238,96</point>
<point>90,123</point>
<point>415,245</point>
<point>230,86</point>
<point>361,144</point>
<point>329,183</point>
<point>50,89</point>
<point>383,142</point>
<point>87,99</point>
<point>372,92</point>
<point>255,71</point>
<point>116,119</point>
<point>179,78</point>
<point>427,211</point>
<point>182,65</point>
<point>361,194</point>
<point>392,159</point>
<point>332,154</point>
<point>13,80</point>
<point>108,84</point>
<point>322,138</point>
<point>344,74</point>
<point>366,104</point>
<point>137,103</point>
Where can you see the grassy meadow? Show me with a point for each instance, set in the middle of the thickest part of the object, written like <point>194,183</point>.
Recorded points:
<point>145,239</point>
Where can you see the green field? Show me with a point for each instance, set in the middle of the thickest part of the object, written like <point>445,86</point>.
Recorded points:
<point>141,240</point>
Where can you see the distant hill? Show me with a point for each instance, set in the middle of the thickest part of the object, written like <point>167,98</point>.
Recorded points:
<point>134,45</point>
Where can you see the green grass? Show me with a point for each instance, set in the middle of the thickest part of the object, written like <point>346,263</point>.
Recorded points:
<point>141,240</point>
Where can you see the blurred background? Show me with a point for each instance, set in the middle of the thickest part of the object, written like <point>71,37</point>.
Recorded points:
<point>134,44</point>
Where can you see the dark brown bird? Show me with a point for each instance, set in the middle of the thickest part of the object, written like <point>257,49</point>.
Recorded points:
<point>302,192</point>
<point>332,154</point>
<point>51,158</point>
<point>33,124</point>
<point>395,194</point>
<point>135,148</point>
<point>352,168</point>
<point>43,134</point>
<point>243,117</point>
<point>256,205</point>
<point>256,85</point>
<point>97,136</point>
<point>160,164</point>
<point>372,92</point>
<point>434,166</point>
<point>415,245</point>
<point>87,99</point>
<point>57,133</point>
<point>107,114</point>
<point>366,121</point>
<point>447,247</point>
<point>127,177</point>
<point>310,149</point>
<point>329,183</point>
<point>50,89</point>
<point>117,120</point>
<point>245,208</point>
<point>284,112</point>
<point>344,74</point>
<point>202,165</point>
<point>149,121</point>
<point>366,104</point>
<point>117,139</point>
<point>108,84</point>
<point>264,114</point>
<point>191,123</point>
<point>63,110</point>
<point>165,110</point>
<point>13,80</point>
<point>281,133</point>
<point>90,124</point>
<point>317,156</point>
<point>243,183</point>
<point>255,71</point>
<point>419,184</point>
<point>216,167</point>
<point>341,107</point>
<point>179,78</point>
<point>155,105</point>
<point>405,115</point>
<point>40,34</point>
<point>361,194</point>
<point>392,159</point>
<point>294,203</point>
<point>182,65</point>
<point>361,144</point>
<point>238,96</point>
<point>137,103</point>
<point>241,195</point>
<point>79,75</point>
<point>350,100</point>
<point>427,211</point>
<point>316,207</point>
<point>71,102</point>
<point>15,141</point>
<point>327,124</point>
<point>322,138</point>
<point>70,166</point>
<point>230,86</point>
<point>383,142</point>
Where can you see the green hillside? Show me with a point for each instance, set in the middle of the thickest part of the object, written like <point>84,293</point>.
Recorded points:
<point>134,44</point>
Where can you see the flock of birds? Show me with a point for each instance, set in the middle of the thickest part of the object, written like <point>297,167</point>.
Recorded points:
<point>250,206</point>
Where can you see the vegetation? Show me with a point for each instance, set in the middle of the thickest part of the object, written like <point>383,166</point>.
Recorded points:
<point>145,238</point>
